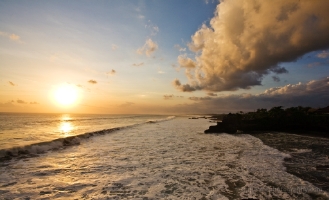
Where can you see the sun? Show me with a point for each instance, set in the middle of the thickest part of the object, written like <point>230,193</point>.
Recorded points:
<point>66,95</point>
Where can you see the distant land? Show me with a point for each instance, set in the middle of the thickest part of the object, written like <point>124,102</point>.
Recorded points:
<point>304,120</point>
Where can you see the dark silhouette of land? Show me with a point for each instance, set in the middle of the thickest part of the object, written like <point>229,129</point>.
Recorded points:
<point>302,120</point>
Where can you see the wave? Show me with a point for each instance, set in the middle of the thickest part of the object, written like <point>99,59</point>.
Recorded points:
<point>160,120</point>
<point>41,147</point>
<point>80,119</point>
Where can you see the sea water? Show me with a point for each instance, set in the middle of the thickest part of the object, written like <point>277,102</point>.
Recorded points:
<point>168,158</point>
<point>19,130</point>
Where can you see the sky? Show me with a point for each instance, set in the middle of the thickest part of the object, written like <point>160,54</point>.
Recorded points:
<point>163,57</point>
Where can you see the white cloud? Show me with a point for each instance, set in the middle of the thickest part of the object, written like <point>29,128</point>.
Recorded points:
<point>149,48</point>
<point>246,40</point>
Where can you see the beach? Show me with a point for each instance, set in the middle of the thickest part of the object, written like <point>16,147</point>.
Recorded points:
<point>171,159</point>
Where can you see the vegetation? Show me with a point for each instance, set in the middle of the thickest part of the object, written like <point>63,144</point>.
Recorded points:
<point>276,119</point>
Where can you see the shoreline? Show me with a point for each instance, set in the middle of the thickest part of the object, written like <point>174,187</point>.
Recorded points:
<point>309,156</point>
<point>295,132</point>
<point>309,150</point>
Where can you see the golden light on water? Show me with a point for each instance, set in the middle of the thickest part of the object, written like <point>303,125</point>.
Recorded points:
<point>65,127</point>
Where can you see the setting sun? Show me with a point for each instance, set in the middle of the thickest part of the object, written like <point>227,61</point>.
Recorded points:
<point>66,95</point>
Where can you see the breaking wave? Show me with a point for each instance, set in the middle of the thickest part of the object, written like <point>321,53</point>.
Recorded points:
<point>32,150</point>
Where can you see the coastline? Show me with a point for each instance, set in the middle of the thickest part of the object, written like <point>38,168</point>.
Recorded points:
<point>296,131</point>
<point>309,155</point>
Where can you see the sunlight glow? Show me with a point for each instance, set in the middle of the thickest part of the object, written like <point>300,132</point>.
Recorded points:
<point>65,127</point>
<point>66,95</point>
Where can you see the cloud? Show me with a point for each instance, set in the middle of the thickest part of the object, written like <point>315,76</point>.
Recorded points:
<point>199,98</point>
<point>186,62</point>
<point>149,48</point>
<point>171,96</point>
<point>323,54</point>
<point>153,28</point>
<point>207,1</point>
<point>314,87</point>
<point>12,37</point>
<point>21,101</point>
<point>8,104</point>
<point>246,40</point>
<point>315,64</point>
<point>179,48</point>
<point>276,78</point>
<point>92,81</point>
<point>11,83</point>
<point>34,103</point>
<point>156,28</point>
<point>138,64</point>
<point>185,87</point>
<point>279,70</point>
<point>168,97</point>
<point>314,93</point>
<point>127,104</point>
<point>114,47</point>
<point>112,72</point>
<point>161,72</point>
<point>211,94</point>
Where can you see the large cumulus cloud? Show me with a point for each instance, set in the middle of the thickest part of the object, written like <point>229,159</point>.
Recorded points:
<point>248,39</point>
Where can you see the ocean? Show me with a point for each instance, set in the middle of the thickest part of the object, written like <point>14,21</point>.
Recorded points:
<point>52,156</point>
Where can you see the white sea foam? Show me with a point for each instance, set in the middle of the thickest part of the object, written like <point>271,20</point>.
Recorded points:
<point>168,160</point>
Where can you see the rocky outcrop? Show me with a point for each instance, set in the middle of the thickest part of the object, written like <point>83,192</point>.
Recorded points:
<point>295,119</point>
<point>229,124</point>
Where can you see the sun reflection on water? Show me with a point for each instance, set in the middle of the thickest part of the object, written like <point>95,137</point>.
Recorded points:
<point>65,125</point>
<point>66,117</point>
